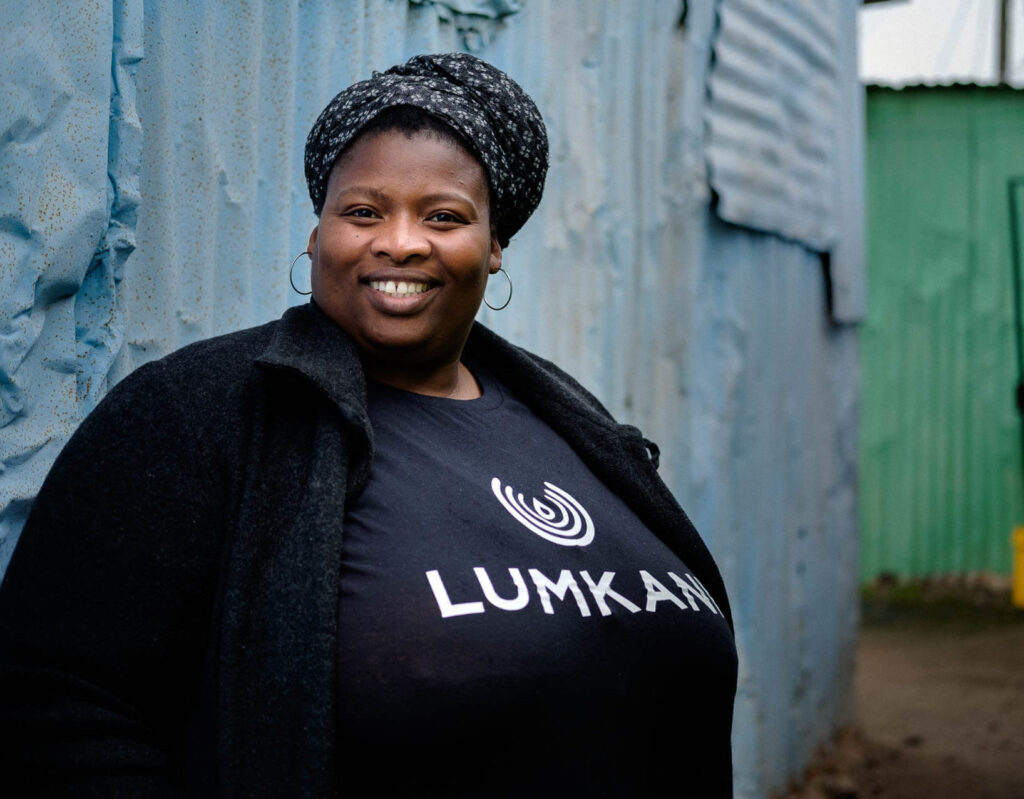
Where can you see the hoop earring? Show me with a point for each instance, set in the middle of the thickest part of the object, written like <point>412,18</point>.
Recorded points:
<point>292,269</point>
<point>505,305</point>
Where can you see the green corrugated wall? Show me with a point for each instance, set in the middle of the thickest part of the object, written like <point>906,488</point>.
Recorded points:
<point>940,462</point>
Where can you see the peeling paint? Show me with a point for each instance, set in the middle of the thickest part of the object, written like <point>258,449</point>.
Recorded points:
<point>477,21</point>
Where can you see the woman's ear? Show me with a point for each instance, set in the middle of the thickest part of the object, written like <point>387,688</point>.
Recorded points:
<point>495,258</point>
<point>312,240</point>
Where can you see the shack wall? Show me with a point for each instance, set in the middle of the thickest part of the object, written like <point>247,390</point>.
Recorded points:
<point>940,458</point>
<point>713,338</point>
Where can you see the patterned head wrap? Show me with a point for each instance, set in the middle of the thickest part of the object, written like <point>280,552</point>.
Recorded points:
<point>491,112</point>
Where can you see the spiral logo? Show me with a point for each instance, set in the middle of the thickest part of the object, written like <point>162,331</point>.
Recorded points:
<point>560,520</point>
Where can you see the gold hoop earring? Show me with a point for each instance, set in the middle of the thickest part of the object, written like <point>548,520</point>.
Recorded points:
<point>507,301</point>
<point>291,269</point>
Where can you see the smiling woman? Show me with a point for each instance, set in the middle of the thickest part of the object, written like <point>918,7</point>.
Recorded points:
<point>294,560</point>
<point>401,256</point>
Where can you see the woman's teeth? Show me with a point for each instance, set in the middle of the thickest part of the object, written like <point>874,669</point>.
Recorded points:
<point>400,289</point>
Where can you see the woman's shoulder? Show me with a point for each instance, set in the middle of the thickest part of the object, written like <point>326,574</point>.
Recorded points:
<point>208,367</point>
<point>196,390</point>
<point>219,379</point>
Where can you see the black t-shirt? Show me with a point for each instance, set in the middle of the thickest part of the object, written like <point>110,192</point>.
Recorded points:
<point>509,627</point>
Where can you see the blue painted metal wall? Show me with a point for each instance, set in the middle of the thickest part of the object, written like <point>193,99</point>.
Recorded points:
<point>180,133</point>
<point>782,153</point>
<point>69,163</point>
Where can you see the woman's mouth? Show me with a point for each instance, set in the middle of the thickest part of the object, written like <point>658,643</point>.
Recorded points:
<point>399,288</point>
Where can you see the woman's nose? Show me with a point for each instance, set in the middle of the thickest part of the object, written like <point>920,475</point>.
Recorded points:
<point>401,238</point>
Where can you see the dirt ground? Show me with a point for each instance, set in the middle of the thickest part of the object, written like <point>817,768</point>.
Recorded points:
<point>940,699</point>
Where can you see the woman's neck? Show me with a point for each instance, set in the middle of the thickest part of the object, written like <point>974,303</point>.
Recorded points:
<point>453,380</point>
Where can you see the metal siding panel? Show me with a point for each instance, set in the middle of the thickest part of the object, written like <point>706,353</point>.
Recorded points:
<point>67,202</point>
<point>772,421</point>
<point>940,461</point>
<point>784,135</point>
<point>773,81</point>
<point>847,256</point>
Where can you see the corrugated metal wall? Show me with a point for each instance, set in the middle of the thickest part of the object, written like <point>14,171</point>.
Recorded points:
<point>70,136</point>
<point>772,383</point>
<point>713,338</point>
<point>771,430</point>
<point>940,462</point>
<point>782,155</point>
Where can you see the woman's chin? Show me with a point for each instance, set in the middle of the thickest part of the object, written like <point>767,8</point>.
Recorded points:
<point>400,343</point>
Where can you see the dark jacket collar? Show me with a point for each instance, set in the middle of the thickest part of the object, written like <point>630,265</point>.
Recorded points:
<point>308,342</point>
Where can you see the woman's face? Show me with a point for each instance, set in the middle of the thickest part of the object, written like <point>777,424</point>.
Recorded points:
<point>404,246</point>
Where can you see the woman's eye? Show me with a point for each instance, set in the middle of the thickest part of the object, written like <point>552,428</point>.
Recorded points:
<point>444,216</point>
<point>362,213</point>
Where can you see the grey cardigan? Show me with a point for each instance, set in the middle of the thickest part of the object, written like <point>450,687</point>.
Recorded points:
<point>177,580</point>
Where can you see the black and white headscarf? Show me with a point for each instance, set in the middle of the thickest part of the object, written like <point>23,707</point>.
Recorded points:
<point>483,104</point>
